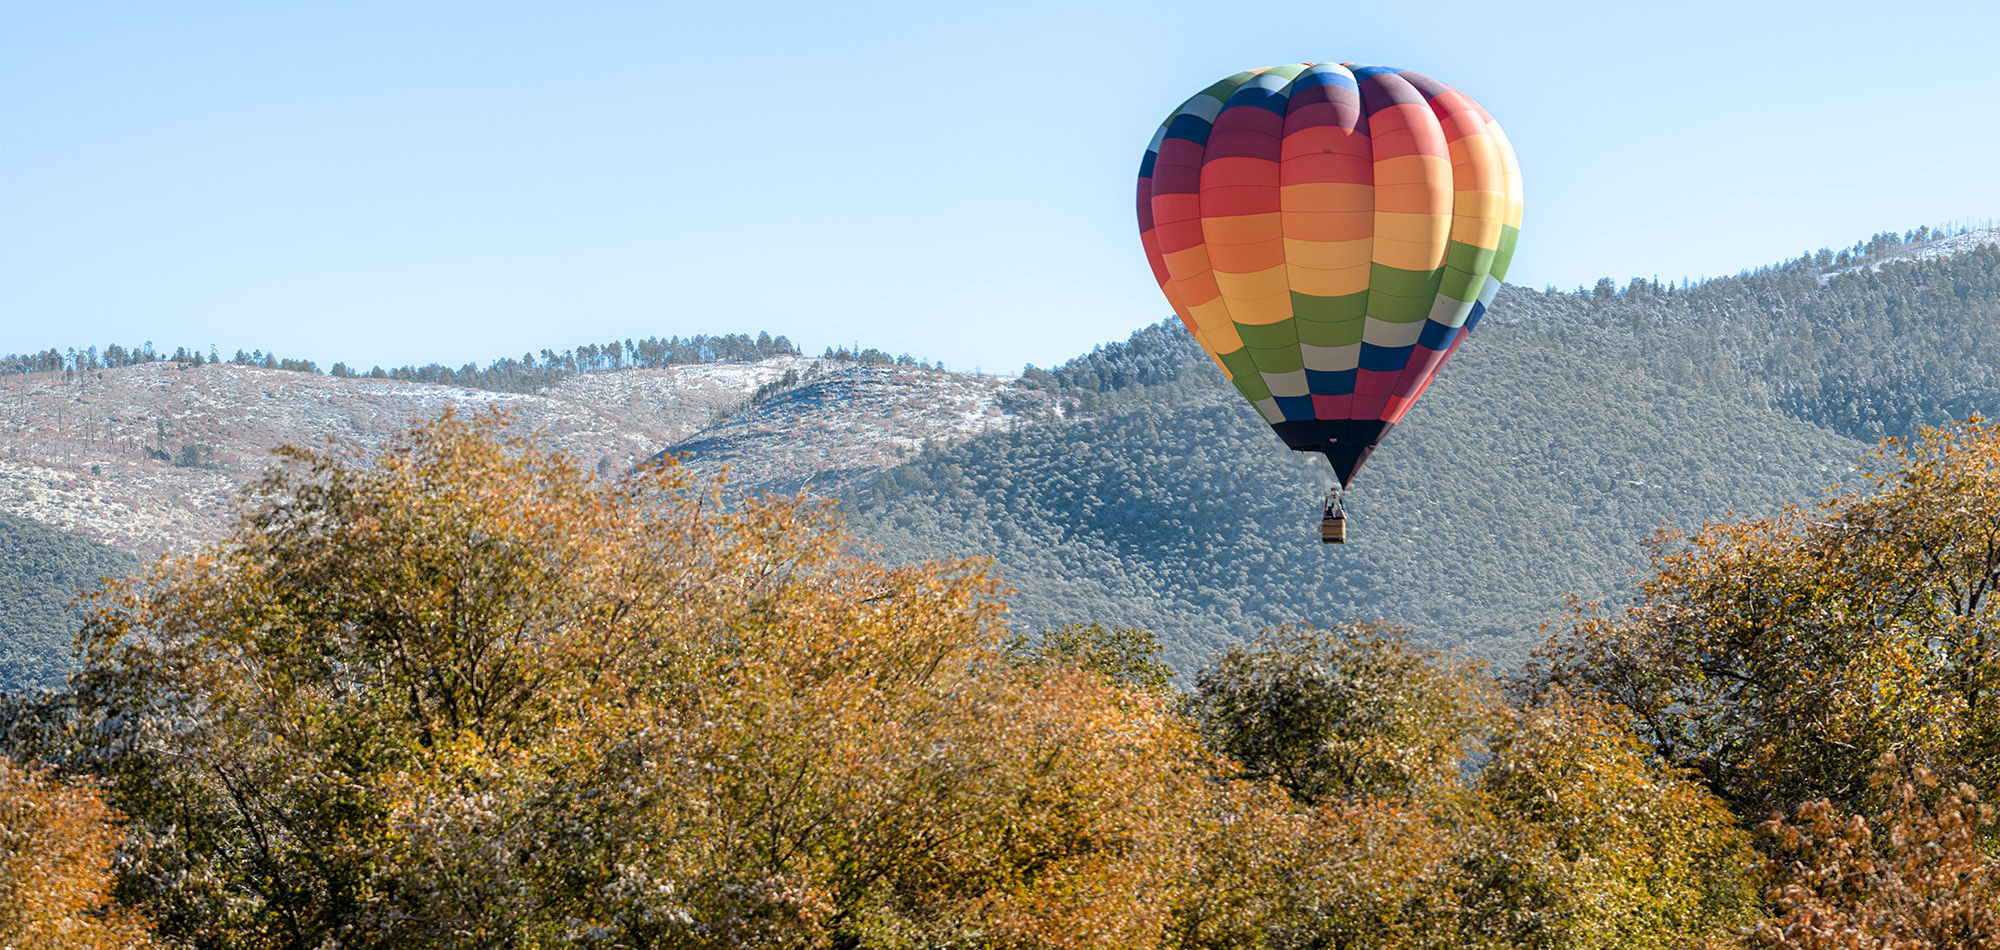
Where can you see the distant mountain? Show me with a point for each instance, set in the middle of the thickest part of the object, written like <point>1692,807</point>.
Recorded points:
<point>1526,473</point>
<point>1569,427</point>
<point>1131,485</point>
<point>831,427</point>
<point>147,457</point>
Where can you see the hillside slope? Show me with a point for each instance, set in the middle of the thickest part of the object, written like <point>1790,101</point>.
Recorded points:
<point>42,569</point>
<point>1131,485</point>
<point>147,457</point>
<point>1568,429</point>
<point>1525,474</point>
<point>833,427</point>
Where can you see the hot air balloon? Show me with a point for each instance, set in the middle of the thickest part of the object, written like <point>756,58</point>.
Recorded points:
<point>1330,233</point>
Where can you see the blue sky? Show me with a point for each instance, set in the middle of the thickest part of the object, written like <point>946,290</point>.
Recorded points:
<point>413,182</point>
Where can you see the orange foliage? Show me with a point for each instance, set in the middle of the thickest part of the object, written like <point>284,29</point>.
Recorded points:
<point>1914,876</point>
<point>56,844</point>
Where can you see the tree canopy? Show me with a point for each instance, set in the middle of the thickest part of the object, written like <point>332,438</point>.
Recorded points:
<point>467,693</point>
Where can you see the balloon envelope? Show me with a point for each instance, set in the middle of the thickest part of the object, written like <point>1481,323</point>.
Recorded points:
<point>1330,233</point>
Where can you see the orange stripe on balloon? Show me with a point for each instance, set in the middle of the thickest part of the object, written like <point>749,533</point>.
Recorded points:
<point>1242,228</point>
<point>1405,130</point>
<point>1246,258</point>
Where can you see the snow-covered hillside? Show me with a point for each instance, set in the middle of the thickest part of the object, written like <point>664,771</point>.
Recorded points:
<point>148,457</point>
<point>1926,251</point>
<point>839,425</point>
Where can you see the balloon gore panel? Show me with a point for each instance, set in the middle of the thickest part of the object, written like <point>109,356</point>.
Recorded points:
<point>1330,233</point>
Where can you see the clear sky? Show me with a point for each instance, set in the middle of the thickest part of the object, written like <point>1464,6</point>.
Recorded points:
<point>425,181</point>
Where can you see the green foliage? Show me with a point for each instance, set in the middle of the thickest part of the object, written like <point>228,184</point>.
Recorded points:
<point>1870,353</point>
<point>1523,475</point>
<point>43,569</point>
<point>1125,654</point>
<point>1582,840</point>
<point>1152,356</point>
<point>1340,714</point>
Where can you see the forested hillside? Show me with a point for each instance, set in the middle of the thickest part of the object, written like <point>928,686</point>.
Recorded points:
<point>1568,429</point>
<point>41,570</point>
<point>1868,351</point>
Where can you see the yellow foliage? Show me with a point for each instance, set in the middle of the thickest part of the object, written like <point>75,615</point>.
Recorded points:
<point>1778,657</point>
<point>466,694</point>
<point>56,844</point>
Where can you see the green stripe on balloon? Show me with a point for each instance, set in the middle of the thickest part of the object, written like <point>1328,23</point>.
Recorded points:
<point>1470,258</point>
<point>1252,386</point>
<point>1460,285</point>
<point>1386,307</point>
<point>1418,285</point>
<point>1283,359</point>
<point>1238,363</point>
<point>1330,321</point>
<point>1269,336</point>
<point>1509,236</point>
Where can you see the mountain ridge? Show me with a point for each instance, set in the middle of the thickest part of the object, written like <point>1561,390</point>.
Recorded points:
<point>1130,484</point>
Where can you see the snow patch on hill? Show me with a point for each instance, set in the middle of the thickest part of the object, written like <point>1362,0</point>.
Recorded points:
<point>1927,251</point>
<point>148,457</point>
<point>837,426</point>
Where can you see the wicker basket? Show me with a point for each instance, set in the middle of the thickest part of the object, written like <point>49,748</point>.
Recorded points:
<point>1333,530</point>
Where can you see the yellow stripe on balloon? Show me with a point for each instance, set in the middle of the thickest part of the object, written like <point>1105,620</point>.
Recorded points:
<point>1329,268</point>
<point>1259,297</point>
<point>1211,315</point>
<point>1475,164</point>
<point>1478,217</point>
<point>1222,339</point>
<point>1240,229</point>
<point>1513,173</point>
<point>1411,241</point>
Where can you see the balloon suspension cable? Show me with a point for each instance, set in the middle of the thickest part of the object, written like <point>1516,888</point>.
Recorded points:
<point>1336,503</point>
<point>1333,520</point>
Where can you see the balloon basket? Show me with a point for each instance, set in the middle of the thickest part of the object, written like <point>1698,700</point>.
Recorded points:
<point>1333,529</point>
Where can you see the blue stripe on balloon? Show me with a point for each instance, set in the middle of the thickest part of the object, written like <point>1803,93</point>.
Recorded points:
<point>1323,76</point>
<point>1436,336</point>
<point>1335,383</point>
<point>1295,407</point>
<point>1384,358</point>
<point>1472,319</point>
<point>1270,100</point>
<point>1191,127</point>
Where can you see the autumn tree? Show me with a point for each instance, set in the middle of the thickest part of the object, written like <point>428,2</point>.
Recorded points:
<point>1780,657</point>
<point>1578,837</point>
<point>464,693</point>
<point>56,845</point>
<point>1269,871</point>
<point>1124,654</point>
<point>1913,876</point>
<point>1386,798</point>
